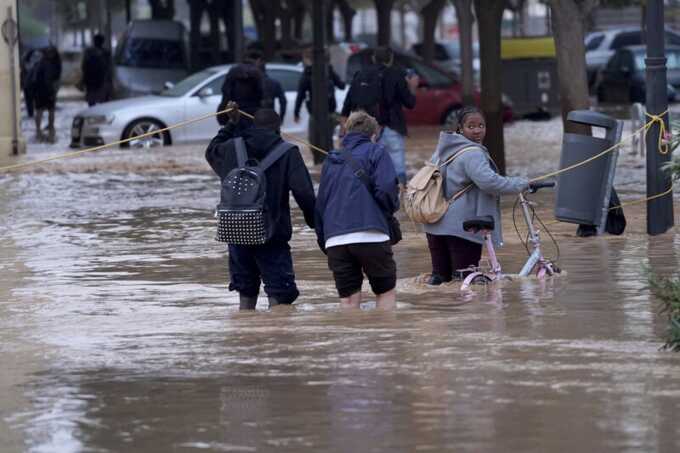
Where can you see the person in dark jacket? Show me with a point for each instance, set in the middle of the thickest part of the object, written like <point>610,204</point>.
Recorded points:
<point>29,64</point>
<point>351,219</point>
<point>271,262</point>
<point>46,85</point>
<point>243,85</point>
<point>398,91</point>
<point>272,91</point>
<point>97,74</point>
<point>304,93</point>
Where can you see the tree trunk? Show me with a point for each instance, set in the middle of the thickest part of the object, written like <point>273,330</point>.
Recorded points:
<point>568,18</point>
<point>287,25</point>
<point>195,15</point>
<point>330,21</point>
<point>299,13</point>
<point>384,11</point>
<point>430,14</point>
<point>348,14</point>
<point>162,9</point>
<point>265,14</point>
<point>213,12</point>
<point>466,21</point>
<point>489,15</point>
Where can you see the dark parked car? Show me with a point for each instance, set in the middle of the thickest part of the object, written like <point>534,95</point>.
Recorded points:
<point>623,78</point>
<point>439,94</point>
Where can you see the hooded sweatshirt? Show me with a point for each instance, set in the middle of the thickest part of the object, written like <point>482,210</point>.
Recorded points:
<point>344,204</point>
<point>471,167</point>
<point>288,174</point>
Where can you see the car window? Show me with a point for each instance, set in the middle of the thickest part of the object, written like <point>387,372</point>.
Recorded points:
<point>440,52</point>
<point>672,38</point>
<point>151,53</point>
<point>433,77</point>
<point>631,38</point>
<point>288,79</point>
<point>594,42</point>
<point>188,84</point>
<point>216,85</point>
<point>672,60</point>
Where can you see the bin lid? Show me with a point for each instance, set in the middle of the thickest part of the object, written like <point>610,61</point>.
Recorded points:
<point>518,48</point>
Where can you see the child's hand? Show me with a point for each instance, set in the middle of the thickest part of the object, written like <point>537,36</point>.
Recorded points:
<point>233,113</point>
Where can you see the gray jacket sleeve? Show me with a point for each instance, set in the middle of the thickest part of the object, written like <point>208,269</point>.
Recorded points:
<point>478,169</point>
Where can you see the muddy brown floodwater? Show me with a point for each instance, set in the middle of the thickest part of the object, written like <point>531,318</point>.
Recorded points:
<point>117,332</point>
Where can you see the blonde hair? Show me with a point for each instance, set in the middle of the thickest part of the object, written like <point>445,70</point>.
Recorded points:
<point>360,121</point>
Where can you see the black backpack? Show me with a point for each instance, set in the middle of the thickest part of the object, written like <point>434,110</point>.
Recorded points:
<point>242,216</point>
<point>367,91</point>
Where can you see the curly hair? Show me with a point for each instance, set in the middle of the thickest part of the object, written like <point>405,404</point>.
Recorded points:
<point>360,121</point>
<point>463,112</point>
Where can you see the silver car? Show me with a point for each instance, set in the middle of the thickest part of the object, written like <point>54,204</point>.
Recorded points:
<point>193,97</point>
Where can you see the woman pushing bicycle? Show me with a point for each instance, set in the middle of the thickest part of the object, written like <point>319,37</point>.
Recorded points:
<point>452,248</point>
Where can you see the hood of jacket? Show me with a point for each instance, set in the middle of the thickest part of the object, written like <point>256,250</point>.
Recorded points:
<point>260,140</point>
<point>450,143</point>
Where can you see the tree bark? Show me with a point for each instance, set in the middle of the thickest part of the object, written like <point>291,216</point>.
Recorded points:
<point>466,21</point>
<point>265,14</point>
<point>287,24</point>
<point>489,15</point>
<point>348,14</point>
<point>384,11</point>
<point>330,21</point>
<point>196,8</point>
<point>568,19</point>
<point>299,13</point>
<point>162,9</point>
<point>213,13</point>
<point>430,13</point>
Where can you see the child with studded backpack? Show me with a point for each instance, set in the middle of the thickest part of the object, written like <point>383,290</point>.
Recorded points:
<point>452,249</point>
<point>271,261</point>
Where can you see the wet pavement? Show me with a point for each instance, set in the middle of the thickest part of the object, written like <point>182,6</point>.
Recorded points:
<point>117,332</point>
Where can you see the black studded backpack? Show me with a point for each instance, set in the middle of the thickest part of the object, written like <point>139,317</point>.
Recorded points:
<point>242,216</point>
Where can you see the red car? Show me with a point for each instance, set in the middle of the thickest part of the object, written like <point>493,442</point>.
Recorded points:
<point>439,94</point>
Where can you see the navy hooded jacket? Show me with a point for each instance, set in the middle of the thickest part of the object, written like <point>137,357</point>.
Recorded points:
<point>344,203</point>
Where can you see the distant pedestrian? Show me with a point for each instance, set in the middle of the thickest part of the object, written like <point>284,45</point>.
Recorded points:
<point>97,72</point>
<point>29,63</point>
<point>46,86</point>
<point>382,90</point>
<point>304,93</point>
<point>357,192</point>
<point>244,85</point>
<point>271,262</point>
<point>272,91</point>
<point>452,249</point>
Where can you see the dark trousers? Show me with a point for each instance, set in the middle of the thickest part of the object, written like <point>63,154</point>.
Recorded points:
<point>272,263</point>
<point>28,99</point>
<point>451,253</point>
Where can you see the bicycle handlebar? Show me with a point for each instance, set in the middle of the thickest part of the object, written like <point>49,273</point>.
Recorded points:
<point>536,186</point>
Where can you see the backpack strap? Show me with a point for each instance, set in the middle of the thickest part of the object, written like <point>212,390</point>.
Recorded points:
<point>275,154</point>
<point>241,153</point>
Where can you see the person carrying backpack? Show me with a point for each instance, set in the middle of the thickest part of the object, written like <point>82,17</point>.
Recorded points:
<point>46,86</point>
<point>358,193</point>
<point>97,76</point>
<point>254,208</point>
<point>382,90</point>
<point>244,85</point>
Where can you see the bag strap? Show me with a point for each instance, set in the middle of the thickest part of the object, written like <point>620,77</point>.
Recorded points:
<point>275,154</point>
<point>241,153</point>
<point>357,169</point>
<point>453,157</point>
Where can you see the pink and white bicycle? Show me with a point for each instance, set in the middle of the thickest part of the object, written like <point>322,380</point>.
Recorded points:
<point>536,261</point>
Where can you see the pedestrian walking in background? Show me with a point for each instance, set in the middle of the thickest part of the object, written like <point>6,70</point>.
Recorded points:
<point>243,85</point>
<point>271,262</point>
<point>272,90</point>
<point>29,65</point>
<point>382,90</point>
<point>97,72</point>
<point>46,86</point>
<point>452,249</point>
<point>304,93</point>
<point>357,192</point>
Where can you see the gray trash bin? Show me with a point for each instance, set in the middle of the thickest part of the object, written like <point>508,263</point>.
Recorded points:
<point>583,193</point>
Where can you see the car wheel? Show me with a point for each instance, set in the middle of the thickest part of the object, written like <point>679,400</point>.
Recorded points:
<point>143,127</point>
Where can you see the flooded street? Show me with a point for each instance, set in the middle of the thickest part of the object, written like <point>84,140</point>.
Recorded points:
<point>117,332</point>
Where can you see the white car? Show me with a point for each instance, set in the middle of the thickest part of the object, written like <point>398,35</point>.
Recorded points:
<point>193,97</point>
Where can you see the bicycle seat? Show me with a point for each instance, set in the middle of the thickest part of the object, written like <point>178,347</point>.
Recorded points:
<point>479,223</point>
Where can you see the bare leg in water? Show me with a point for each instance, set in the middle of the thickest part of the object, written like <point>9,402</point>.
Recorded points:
<point>351,302</point>
<point>386,301</point>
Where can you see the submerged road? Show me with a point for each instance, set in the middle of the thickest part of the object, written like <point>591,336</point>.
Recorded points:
<point>117,333</point>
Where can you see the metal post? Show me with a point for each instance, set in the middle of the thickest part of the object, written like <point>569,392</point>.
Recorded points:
<point>321,133</point>
<point>10,35</point>
<point>659,210</point>
<point>237,32</point>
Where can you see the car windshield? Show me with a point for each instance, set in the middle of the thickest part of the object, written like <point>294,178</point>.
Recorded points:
<point>151,53</point>
<point>672,62</point>
<point>188,84</point>
<point>594,42</point>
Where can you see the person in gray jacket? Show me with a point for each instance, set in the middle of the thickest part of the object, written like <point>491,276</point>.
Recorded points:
<point>453,249</point>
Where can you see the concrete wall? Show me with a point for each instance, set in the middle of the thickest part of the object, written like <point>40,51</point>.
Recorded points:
<point>8,109</point>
